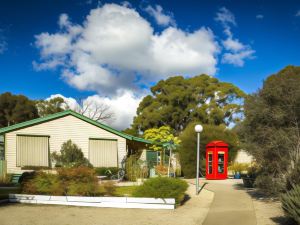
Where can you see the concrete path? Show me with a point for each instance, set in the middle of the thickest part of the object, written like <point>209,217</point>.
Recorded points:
<point>231,204</point>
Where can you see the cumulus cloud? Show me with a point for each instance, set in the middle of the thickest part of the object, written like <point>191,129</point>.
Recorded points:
<point>160,16</point>
<point>123,106</point>
<point>115,49</point>
<point>236,52</point>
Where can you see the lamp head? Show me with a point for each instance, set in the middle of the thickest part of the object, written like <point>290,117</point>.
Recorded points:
<point>198,128</point>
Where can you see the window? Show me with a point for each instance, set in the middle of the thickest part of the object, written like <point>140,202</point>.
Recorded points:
<point>210,162</point>
<point>221,162</point>
<point>103,152</point>
<point>32,150</point>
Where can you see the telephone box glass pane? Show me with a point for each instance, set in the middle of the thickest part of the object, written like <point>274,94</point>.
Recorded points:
<point>210,160</point>
<point>221,163</point>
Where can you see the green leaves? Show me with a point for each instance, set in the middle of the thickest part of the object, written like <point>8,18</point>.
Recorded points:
<point>270,131</point>
<point>160,135</point>
<point>48,107</point>
<point>15,109</point>
<point>178,101</point>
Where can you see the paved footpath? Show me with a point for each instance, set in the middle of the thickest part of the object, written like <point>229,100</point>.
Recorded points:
<point>231,204</point>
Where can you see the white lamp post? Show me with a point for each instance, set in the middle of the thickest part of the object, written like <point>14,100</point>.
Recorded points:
<point>198,129</point>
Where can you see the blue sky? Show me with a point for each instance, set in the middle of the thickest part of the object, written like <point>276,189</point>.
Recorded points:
<point>50,47</point>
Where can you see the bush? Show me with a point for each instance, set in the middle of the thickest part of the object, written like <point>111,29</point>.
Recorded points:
<point>269,185</point>
<point>294,177</point>
<point>291,203</point>
<point>68,181</point>
<point>109,188</point>
<point>239,167</point>
<point>70,156</point>
<point>43,183</point>
<point>103,171</point>
<point>162,187</point>
<point>161,170</point>
<point>5,181</point>
<point>135,168</point>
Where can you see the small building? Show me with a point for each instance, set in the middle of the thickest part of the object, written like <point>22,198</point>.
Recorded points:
<point>243,157</point>
<point>30,144</point>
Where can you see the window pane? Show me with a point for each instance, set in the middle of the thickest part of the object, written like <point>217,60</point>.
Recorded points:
<point>220,163</point>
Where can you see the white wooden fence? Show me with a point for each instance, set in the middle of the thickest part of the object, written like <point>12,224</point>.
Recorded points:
<point>110,202</point>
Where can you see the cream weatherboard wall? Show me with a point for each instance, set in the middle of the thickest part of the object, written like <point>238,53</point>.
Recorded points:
<point>60,130</point>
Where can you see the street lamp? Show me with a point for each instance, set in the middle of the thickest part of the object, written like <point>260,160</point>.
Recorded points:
<point>198,129</point>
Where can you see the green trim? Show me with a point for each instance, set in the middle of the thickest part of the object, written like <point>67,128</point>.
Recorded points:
<point>33,135</point>
<point>77,115</point>
<point>104,139</point>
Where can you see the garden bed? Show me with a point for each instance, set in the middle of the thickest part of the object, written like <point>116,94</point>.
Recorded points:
<point>111,202</point>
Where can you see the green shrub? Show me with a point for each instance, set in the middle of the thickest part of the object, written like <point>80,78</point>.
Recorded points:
<point>109,188</point>
<point>269,185</point>
<point>239,167</point>
<point>80,181</point>
<point>294,177</point>
<point>103,171</point>
<point>70,156</point>
<point>162,187</point>
<point>43,183</point>
<point>5,181</point>
<point>291,203</point>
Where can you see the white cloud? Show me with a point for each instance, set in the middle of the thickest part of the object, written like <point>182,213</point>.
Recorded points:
<point>259,16</point>
<point>238,59</point>
<point>160,16</point>
<point>71,102</point>
<point>116,50</point>
<point>237,52</point>
<point>233,44</point>
<point>123,106</point>
<point>225,17</point>
<point>297,13</point>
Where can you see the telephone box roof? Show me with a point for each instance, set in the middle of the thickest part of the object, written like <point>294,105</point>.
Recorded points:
<point>217,143</point>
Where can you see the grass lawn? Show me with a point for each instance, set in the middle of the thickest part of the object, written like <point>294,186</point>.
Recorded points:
<point>125,191</point>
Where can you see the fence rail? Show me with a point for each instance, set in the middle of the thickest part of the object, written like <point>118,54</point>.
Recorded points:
<point>2,168</point>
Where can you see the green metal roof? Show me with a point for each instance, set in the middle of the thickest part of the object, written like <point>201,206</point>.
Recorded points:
<point>77,115</point>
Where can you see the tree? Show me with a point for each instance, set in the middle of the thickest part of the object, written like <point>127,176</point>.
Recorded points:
<point>70,156</point>
<point>94,110</point>
<point>160,135</point>
<point>271,129</point>
<point>188,146</point>
<point>177,101</point>
<point>15,109</point>
<point>48,107</point>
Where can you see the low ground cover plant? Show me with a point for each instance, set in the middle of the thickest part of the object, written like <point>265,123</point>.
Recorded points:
<point>291,203</point>
<point>162,187</point>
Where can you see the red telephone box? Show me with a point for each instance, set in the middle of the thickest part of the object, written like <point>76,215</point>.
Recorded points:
<point>216,160</point>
